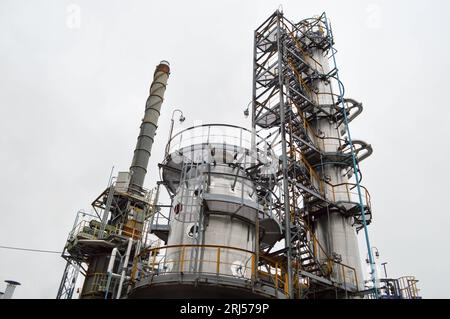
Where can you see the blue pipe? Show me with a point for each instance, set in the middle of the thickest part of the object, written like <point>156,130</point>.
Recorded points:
<point>366,233</point>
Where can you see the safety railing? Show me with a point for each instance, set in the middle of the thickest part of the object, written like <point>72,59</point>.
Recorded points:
<point>314,30</point>
<point>221,261</point>
<point>210,259</point>
<point>408,287</point>
<point>317,140</point>
<point>306,88</point>
<point>146,195</point>
<point>314,177</point>
<point>130,231</point>
<point>212,134</point>
<point>347,192</point>
<point>274,274</point>
<point>293,31</point>
<point>91,229</point>
<point>159,219</point>
<point>198,143</point>
<point>225,261</point>
<point>319,254</point>
<point>96,283</point>
<point>347,275</point>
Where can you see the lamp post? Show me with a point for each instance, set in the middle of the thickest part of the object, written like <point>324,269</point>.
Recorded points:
<point>384,266</point>
<point>172,122</point>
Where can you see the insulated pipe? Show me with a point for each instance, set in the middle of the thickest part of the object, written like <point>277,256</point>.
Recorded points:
<point>112,259</point>
<point>124,268</point>
<point>144,144</point>
<point>110,269</point>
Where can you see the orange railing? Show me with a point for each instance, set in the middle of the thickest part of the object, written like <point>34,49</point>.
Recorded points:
<point>209,259</point>
<point>408,287</point>
<point>228,262</point>
<point>347,192</point>
<point>91,229</point>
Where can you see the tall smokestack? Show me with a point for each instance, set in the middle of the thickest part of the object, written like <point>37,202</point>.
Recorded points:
<point>144,144</point>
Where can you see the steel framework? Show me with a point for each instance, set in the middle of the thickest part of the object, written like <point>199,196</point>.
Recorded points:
<point>292,97</point>
<point>294,168</point>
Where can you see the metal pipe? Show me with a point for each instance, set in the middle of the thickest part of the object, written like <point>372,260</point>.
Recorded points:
<point>124,267</point>
<point>112,258</point>
<point>9,291</point>
<point>385,272</point>
<point>172,122</point>
<point>144,144</point>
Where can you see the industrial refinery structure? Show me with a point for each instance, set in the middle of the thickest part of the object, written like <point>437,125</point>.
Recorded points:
<point>269,211</point>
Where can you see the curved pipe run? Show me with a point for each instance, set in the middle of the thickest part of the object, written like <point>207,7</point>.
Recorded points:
<point>354,104</point>
<point>359,146</point>
<point>364,147</point>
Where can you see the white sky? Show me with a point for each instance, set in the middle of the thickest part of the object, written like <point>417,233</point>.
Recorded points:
<point>72,99</point>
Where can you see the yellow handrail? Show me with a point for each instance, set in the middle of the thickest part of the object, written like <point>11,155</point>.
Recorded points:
<point>349,193</point>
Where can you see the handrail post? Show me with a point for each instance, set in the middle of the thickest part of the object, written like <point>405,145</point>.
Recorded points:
<point>276,276</point>
<point>134,269</point>
<point>181,262</point>
<point>155,252</point>
<point>286,286</point>
<point>254,268</point>
<point>343,278</point>
<point>218,262</point>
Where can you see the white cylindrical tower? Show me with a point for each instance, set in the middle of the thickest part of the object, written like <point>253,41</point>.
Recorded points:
<point>334,229</point>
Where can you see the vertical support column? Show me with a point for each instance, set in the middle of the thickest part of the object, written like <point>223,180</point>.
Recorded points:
<point>287,216</point>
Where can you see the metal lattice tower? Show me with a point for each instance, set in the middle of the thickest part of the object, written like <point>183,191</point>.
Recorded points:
<point>68,281</point>
<point>295,104</point>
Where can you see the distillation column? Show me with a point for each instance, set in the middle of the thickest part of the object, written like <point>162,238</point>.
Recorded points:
<point>333,229</point>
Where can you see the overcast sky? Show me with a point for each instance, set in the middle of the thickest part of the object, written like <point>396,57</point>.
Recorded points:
<point>75,75</point>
